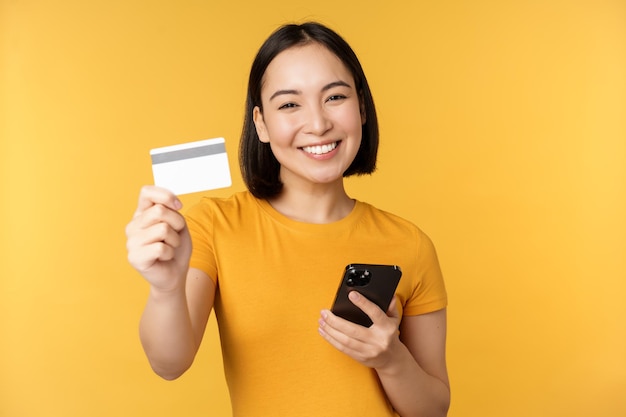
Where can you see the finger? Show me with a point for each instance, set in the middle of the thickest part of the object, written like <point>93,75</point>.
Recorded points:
<point>339,345</point>
<point>342,329</point>
<point>372,310</point>
<point>342,334</point>
<point>151,195</point>
<point>160,232</point>
<point>155,215</point>
<point>159,213</point>
<point>146,256</point>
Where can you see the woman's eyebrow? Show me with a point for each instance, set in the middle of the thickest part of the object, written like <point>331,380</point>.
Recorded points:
<point>336,84</point>
<point>284,92</point>
<point>325,88</point>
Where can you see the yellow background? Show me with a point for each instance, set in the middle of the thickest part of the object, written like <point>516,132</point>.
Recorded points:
<point>503,136</point>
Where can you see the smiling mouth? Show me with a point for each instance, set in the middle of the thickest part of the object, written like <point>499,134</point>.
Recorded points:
<point>320,149</point>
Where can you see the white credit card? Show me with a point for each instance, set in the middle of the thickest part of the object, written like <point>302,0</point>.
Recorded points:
<point>191,167</point>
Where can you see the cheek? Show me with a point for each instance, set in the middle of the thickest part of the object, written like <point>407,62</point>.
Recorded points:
<point>351,118</point>
<point>282,128</point>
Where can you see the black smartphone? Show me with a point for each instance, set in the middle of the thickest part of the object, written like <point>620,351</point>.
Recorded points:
<point>377,283</point>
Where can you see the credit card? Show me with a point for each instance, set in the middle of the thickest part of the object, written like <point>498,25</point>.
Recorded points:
<point>191,167</point>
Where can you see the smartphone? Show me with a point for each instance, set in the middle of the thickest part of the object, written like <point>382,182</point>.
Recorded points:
<point>377,283</point>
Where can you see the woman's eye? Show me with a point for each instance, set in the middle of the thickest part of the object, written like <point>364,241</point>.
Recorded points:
<point>288,106</point>
<point>336,97</point>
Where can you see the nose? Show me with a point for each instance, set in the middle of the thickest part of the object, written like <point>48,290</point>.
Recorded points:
<point>318,121</point>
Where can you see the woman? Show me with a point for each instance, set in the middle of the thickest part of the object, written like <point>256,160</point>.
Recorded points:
<point>269,259</point>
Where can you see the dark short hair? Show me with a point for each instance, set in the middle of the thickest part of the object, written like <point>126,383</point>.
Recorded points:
<point>259,167</point>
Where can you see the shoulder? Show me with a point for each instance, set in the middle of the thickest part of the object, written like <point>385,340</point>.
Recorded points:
<point>223,212</point>
<point>401,231</point>
<point>391,222</point>
<point>210,205</point>
<point>381,214</point>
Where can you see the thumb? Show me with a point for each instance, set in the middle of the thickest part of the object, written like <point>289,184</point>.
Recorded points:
<point>152,195</point>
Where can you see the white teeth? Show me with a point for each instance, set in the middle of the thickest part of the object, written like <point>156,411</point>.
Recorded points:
<point>320,149</point>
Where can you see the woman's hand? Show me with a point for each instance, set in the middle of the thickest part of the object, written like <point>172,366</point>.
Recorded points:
<point>158,242</point>
<point>372,346</point>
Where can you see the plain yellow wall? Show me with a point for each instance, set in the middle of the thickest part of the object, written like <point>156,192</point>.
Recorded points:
<point>503,136</point>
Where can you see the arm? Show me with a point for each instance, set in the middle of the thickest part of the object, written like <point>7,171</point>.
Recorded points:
<point>180,299</point>
<point>411,366</point>
<point>173,323</point>
<point>416,381</point>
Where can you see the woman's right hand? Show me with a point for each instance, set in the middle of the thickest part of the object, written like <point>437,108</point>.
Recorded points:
<point>158,242</point>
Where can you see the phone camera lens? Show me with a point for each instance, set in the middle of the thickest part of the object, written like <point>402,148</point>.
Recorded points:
<point>358,278</point>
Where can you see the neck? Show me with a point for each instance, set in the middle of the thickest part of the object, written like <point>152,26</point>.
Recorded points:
<point>325,203</point>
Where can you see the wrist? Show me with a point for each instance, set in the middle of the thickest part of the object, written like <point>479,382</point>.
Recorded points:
<point>397,360</point>
<point>162,294</point>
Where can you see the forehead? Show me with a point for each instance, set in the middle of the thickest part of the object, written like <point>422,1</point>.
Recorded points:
<point>306,65</point>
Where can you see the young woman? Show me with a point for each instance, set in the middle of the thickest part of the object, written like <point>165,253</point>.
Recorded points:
<point>269,260</point>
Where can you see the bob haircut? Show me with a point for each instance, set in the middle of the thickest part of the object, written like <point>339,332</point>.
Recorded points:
<point>259,167</point>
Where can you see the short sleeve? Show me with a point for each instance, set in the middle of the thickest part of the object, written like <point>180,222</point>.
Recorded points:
<point>200,224</point>
<point>430,292</point>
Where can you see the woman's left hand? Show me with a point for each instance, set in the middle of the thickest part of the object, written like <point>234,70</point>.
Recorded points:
<point>372,346</point>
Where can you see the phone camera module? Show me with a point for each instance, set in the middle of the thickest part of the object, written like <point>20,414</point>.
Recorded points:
<point>358,278</point>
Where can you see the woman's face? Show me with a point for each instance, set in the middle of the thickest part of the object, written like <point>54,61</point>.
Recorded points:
<point>312,116</point>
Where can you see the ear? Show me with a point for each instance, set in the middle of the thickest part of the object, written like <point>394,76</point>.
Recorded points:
<point>362,108</point>
<point>259,124</point>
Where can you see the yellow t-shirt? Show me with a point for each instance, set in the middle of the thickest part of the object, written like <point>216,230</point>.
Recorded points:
<point>275,275</point>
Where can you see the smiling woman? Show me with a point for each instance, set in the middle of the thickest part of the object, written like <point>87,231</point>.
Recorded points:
<point>502,135</point>
<point>259,166</point>
<point>311,113</point>
<point>311,117</point>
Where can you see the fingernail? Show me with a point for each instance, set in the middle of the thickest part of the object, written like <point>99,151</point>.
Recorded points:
<point>324,314</point>
<point>354,296</point>
<point>178,204</point>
